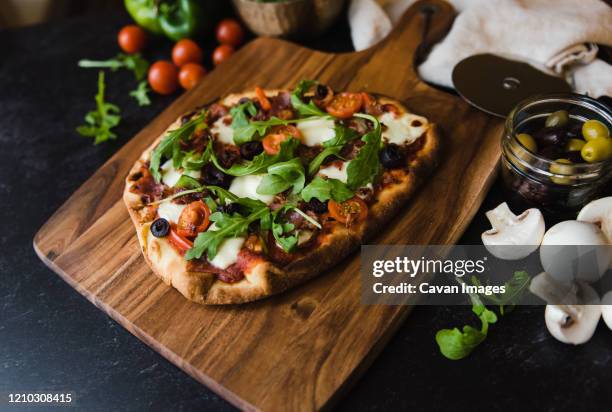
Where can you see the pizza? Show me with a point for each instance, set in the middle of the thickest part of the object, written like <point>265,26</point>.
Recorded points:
<point>262,190</point>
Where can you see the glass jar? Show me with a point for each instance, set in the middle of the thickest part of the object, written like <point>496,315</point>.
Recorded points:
<point>535,181</point>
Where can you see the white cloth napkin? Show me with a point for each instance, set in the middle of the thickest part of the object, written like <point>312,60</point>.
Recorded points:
<point>555,36</point>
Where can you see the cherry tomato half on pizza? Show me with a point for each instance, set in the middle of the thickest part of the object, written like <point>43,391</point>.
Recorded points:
<point>350,211</point>
<point>194,219</point>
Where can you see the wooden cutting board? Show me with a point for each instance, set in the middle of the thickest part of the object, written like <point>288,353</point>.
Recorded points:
<point>299,350</point>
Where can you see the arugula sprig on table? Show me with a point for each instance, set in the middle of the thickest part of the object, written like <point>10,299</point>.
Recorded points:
<point>457,344</point>
<point>100,122</point>
<point>141,93</point>
<point>132,62</point>
<point>515,288</point>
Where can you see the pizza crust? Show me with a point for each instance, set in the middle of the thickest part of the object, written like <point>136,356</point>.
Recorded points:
<point>264,278</point>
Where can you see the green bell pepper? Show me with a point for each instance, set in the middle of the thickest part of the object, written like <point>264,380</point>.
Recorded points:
<point>145,14</point>
<point>182,18</point>
<point>176,19</point>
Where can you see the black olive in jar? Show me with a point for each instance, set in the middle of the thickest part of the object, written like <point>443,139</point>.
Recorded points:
<point>215,177</point>
<point>392,157</point>
<point>574,131</point>
<point>250,149</point>
<point>551,152</point>
<point>550,136</point>
<point>160,227</point>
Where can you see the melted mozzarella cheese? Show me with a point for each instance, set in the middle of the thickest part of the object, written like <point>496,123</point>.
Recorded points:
<point>316,131</point>
<point>169,174</point>
<point>403,129</point>
<point>170,211</point>
<point>227,254</point>
<point>223,132</point>
<point>246,186</point>
<point>334,172</point>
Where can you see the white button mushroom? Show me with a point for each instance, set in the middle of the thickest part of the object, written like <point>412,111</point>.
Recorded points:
<point>599,212</point>
<point>606,309</point>
<point>513,237</point>
<point>573,311</point>
<point>573,250</point>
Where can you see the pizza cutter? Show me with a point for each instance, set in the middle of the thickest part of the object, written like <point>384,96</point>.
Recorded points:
<point>495,85</point>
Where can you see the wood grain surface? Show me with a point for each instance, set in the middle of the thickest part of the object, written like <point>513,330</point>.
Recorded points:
<point>302,349</point>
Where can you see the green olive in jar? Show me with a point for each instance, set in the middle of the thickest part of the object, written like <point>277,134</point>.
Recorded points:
<point>528,142</point>
<point>574,145</point>
<point>557,119</point>
<point>562,167</point>
<point>592,129</point>
<point>596,150</point>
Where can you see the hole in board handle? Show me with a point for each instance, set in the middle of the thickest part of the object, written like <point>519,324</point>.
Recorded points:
<point>511,83</point>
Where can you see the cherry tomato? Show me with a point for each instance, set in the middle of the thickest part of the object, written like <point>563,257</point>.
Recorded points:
<point>230,32</point>
<point>349,211</point>
<point>190,75</point>
<point>132,39</point>
<point>163,77</point>
<point>179,242</point>
<point>263,100</point>
<point>288,130</point>
<point>344,105</point>
<point>272,142</point>
<point>186,51</point>
<point>222,53</point>
<point>193,219</point>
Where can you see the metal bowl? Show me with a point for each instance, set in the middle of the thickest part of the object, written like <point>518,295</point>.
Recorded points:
<point>289,18</point>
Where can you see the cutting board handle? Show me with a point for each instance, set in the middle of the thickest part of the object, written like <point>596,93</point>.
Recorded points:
<point>425,23</point>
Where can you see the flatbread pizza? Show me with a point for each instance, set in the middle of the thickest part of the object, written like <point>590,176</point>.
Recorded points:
<point>261,191</point>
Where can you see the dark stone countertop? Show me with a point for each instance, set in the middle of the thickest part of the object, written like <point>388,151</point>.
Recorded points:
<point>51,338</point>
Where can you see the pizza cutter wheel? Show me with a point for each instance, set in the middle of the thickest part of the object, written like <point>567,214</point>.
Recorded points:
<point>496,85</point>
